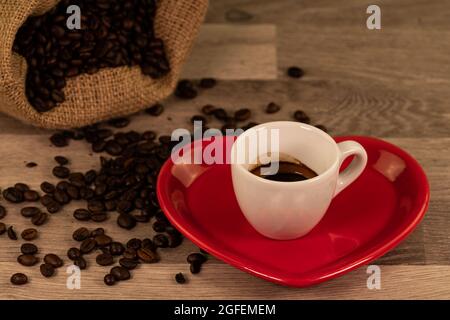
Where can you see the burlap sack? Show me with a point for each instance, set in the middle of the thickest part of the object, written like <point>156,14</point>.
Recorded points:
<point>109,93</point>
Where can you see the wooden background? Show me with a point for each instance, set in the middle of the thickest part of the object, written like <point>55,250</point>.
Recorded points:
<point>391,83</point>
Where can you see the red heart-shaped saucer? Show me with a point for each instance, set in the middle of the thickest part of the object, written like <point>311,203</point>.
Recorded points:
<point>365,221</point>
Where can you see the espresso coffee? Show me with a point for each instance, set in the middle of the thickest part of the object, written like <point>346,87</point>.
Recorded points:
<point>287,171</point>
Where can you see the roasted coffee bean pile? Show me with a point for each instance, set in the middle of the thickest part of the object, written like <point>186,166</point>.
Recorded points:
<point>113,33</point>
<point>123,187</point>
<point>129,256</point>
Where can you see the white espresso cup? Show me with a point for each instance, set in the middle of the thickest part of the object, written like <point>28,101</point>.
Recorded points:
<point>288,210</point>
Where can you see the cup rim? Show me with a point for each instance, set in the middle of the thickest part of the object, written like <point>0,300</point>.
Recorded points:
<point>320,176</point>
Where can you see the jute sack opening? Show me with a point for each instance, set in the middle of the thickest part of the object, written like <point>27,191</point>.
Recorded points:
<point>111,92</point>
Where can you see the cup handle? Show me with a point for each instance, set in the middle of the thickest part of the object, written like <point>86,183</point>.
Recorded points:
<point>356,167</point>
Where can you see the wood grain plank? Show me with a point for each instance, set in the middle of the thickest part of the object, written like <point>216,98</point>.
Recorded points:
<point>332,41</point>
<point>219,282</point>
<point>391,83</point>
<point>234,52</point>
<point>346,107</point>
<point>423,14</point>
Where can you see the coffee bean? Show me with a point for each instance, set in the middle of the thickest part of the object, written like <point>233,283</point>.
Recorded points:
<point>99,216</point>
<point>29,234</point>
<point>86,193</point>
<point>97,232</point>
<point>208,109</point>
<point>2,212</point>
<point>11,233</point>
<point>147,243</point>
<point>99,146</point>
<point>62,185</point>
<point>155,110</point>
<point>134,243</point>
<point>273,108</point>
<point>165,139</point>
<point>185,90</point>
<point>47,270</point>
<point>27,260</point>
<point>159,226</point>
<point>119,122</point>
<point>104,259</point>
<point>141,217</point>
<point>208,83</point>
<point>31,164</point>
<point>103,240</point>
<point>81,234</point>
<point>126,221</point>
<point>229,125</point>
<point>61,172</point>
<point>199,118</point>
<point>116,248</point>
<point>53,260</point>
<point>31,196</point>
<point>88,245</point>
<point>77,179</point>
<point>105,133</point>
<point>29,212</point>
<point>295,72</point>
<point>220,114</point>
<point>161,241</point>
<point>53,207</point>
<point>301,116</point>
<point>322,127</point>
<point>113,148</point>
<point>242,114</point>
<point>22,187</point>
<point>47,187</point>
<point>160,216</point>
<point>109,280</point>
<point>175,239</point>
<point>28,248</point>
<point>2,228</point>
<point>195,267</point>
<point>58,31</point>
<point>73,254</point>
<point>47,200</point>
<point>39,219</point>
<point>196,258</point>
<point>90,176</point>
<point>13,195</point>
<point>58,140</point>
<point>120,273</point>
<point>147,256</point>
<point>129,264</point>
<point>82,215</point>
<point>130,253</point>
<point>149,135</point>
<point>179,278</point>
<point>19,279</point>
<point>73,192</point>
<point>62,161</point>
<point>80,263</point>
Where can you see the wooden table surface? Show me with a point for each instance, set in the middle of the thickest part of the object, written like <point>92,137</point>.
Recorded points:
<point>391,83</point>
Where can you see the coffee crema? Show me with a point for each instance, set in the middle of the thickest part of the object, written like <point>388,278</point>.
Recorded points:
<point>287,171</point>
